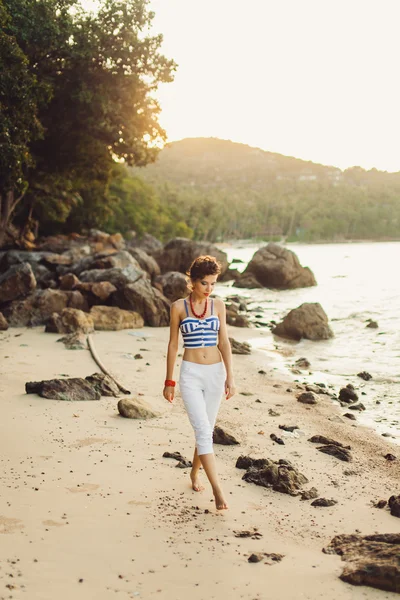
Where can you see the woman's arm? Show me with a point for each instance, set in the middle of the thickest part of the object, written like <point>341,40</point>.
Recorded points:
<point>224,347</point>
<point>172,350</point>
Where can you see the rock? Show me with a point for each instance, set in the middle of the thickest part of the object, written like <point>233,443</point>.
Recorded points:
<point>253,534</point>
<point>237,320</point>
<point>70,320</point>
<point>360,406</point>
<point>309,494</point>
<point>183,463</point>
<point>302,363</point>
<point>380,504</point>
<point>69,281</point>
<point>134,408</point>
<point>36,308</point>
<point>372,560</point>
<point>230,275</point>
<point>146,262</point>
<point>364,375</point>
<point>255,558</point>
<point>281,476</point>
<point>114,260</point>
<point>103,384</point>
<point>307,321</point>
<point>337,452</point>
<point>141,297</point>
<point>372,324</point>
<point>220,436</point>
<point>394,505</point>
<point>307,398</point>
<point>276,439</point>
<point>3,323</point>
<point>118,277</point>
<point>18,281</point>
<point>146,242</point>
<point>248,281</point>
<point>102,291</point>
<point>347,394</point>
<point>112,318</point>
<point>321,439</point>
<point>74,341</point>
<point>245,462</point>
<point>390,457</point>
<point>276,267</point>
<point>179,253</point>
<point>324,502</point>
<point>240,347</point>
<point>290,428</point>
<point>71,389</point>
<point>310,387</point>
<point>173,285</point>
<point>350,416</point>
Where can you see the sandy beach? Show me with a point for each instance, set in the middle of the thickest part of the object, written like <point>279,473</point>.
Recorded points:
<point>89,508</point>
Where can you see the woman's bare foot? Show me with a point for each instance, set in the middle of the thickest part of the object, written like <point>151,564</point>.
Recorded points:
<point>196,483</point>
<point>220,502</point>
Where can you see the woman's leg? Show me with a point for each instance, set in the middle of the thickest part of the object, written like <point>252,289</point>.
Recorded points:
<point>210,467</point>
<point>194,473</point>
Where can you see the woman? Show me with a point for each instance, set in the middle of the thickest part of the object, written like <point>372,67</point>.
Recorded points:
<point>206,370</point>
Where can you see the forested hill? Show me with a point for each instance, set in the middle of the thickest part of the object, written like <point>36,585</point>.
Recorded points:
<point>222,190</point>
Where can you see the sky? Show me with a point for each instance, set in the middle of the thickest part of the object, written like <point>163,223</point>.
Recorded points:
<point>314,79</point>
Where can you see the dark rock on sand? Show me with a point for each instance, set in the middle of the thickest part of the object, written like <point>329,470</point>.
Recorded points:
<point>372,560</point>
<point>324,502</point>
<point>281,476</point>
<point>245,462</point>
<point>372,324</point>
<point>72,389</point>
<point>350,416</point>
<point>183,463</point>
<point>276,267</point>
<point>321,439</point>
<point>18,281</point>
<point>3,322</point>
<point>347,394</point>
<point>390,457</point>
<point>240,347</point>
<point>134,408</point>
<point>380,504</point>
<point>360,406</point>
<point>103,384</point>
<point>276,439</point>
<point>309,494</point>
<point>220,436</point>
<point>394,505</point>
<point>253,534</point>
<point>307,398</point>
<point>337,452</point>
<point>248,281</point>
<point>302,363</point>
<point>308,321</point>
<point>255,557</point>
<point>173,285</point>
<point>364,375</point>
<point>290,428</point>
<point>179,253</point>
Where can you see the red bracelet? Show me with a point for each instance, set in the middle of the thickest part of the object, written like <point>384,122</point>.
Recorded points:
<point>169,383</point>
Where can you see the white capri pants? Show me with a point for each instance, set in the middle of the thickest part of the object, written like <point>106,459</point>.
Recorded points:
<point>202,387</point>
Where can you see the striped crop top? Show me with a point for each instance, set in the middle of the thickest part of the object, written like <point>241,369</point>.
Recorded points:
<point>199,333</point>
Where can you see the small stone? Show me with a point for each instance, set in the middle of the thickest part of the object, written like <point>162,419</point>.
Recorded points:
<point>277,439</point>
<point>364,375</point>
<point>255,558</point>
<point>324,502</point>
<point>390,456</point>
<point>307,398</point>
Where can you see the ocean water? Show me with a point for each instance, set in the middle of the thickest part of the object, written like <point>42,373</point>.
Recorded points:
<point>356,282</point>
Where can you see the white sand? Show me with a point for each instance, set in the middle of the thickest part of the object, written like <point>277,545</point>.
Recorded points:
<point>86,494</point>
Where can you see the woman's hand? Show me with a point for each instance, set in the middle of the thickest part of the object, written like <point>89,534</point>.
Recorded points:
<point>169,393</point>
<point>230,389</point>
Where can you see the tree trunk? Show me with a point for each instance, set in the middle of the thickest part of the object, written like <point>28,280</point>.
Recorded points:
<point>8,204</point>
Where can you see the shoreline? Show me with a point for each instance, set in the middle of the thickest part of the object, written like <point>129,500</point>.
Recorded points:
<point>89,496</point>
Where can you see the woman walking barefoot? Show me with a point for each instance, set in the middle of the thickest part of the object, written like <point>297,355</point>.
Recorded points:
<point>206,370</point>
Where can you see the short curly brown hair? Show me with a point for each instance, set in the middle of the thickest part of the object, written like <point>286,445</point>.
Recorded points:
<point>203,266</point>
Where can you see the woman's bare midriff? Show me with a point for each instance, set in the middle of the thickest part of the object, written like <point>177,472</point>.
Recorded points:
<point>202,356</point>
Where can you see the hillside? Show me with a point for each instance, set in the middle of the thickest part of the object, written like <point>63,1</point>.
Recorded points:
<point>222,190</point>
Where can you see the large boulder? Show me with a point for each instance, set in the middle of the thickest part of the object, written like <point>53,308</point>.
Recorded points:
<point>110,259</point>
<point>141,297</point>
<point>173,285</point>
<point>146,242</point>
<point>276,267</point>
<point>307,321</point>
<point>112,318</point>
<point>70,320</point>
<point>117,276</point>
<point>39,306</point>
<point>179,253</point>
<point>18,281</point>
<point>72,389</point>
<point>146,262</point>
<point>3,322</point>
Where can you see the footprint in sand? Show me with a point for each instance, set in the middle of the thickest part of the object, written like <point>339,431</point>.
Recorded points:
<point>51,523</point>
<point>10,525</point>
<point>139,503</point>
<point>90,442</point>
<point>83,487</point>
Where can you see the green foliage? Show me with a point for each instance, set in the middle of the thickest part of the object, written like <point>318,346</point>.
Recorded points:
<point>224,190</point>
<point>95,76</point>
